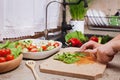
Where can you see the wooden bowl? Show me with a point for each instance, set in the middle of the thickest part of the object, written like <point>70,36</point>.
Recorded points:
<point>10,65</point>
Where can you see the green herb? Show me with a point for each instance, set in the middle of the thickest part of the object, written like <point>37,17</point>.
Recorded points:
<point>105,39</point>
<point>69,58</point>
<point>77,11</point>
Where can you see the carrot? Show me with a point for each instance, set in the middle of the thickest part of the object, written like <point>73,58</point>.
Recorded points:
<point>86,60</point>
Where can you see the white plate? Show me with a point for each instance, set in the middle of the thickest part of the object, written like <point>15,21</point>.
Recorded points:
<point>103,17</point>
<point>91,17</point>
<point>97,17</point>
<point>43,54</point>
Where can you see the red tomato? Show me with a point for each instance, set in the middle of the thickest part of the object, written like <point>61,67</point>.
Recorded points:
<point>3,52</point>
<point>2,59</point>
<point>49,44</point>
<point>9,57</point>
<point>34,50</point>
<point>94,38</point>
<point>44,48</point>
<point>31,47</point>
<point>56,44</point>
<point>8,51</point>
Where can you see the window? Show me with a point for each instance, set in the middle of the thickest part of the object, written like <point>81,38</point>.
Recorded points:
<point>27,15</point>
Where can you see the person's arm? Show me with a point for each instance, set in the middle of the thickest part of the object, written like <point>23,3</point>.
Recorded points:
<point>116,38</point>
<point>104,53</point>
<point>115,43</point>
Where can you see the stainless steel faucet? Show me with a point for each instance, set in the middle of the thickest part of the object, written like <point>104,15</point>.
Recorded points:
<point>65,26</point>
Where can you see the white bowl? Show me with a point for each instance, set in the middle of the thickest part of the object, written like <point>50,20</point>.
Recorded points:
<point>43,54</point>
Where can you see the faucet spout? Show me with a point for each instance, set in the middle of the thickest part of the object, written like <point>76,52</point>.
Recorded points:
<point>46,17</point>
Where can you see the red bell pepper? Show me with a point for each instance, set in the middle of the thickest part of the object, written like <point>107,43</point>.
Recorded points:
<point>75,42</point>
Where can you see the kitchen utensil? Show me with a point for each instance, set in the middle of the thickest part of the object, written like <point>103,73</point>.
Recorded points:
<point>89,71</point>
<point>31,65</point>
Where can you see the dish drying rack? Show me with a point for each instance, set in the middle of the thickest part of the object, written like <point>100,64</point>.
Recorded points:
<point>103,23</point>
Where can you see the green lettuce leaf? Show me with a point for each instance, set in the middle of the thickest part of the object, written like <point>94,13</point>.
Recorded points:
<point>76,34</point>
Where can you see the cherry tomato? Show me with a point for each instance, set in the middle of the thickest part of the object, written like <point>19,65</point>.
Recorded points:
<point>9,57</point>
<point>2,59</point>
<point>44,48</point>
<point>94,38</point>
<point>34,50</point>
<point>49,44</point>
<point>56,44</point>
<point>31,47</point>
<point>8,51</point>
<point>3,52</point>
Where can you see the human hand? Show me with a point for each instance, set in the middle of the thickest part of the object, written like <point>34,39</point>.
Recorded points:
<point>89,46</point>
<point>103,53</point>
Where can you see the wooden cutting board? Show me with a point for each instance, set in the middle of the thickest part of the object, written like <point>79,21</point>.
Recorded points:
<point>89,71</point>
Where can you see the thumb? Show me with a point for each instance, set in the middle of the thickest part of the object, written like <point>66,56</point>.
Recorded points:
<point>92,53</point>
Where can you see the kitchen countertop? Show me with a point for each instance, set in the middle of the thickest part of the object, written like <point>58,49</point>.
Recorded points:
<point>112,71</point>
<point>22,72</point>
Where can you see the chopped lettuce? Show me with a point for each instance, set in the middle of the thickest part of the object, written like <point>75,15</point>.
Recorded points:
<point>69,58</point>
<point>76,34</point>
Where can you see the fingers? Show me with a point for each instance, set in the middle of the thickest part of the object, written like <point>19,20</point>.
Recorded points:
<point>88,45</point>
<point>94,51</point>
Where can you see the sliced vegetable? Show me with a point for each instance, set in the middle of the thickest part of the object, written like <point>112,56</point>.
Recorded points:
<point>69,58</point>
<point>37,46</point>
<point>56,44</point>
<point>34,50</point>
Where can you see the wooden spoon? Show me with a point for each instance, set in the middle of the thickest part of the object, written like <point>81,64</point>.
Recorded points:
<point>31,65</point>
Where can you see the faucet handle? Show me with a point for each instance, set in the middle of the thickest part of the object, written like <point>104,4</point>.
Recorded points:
<point>85,4</point>
<point>46,33</point>
<point>69,27</point>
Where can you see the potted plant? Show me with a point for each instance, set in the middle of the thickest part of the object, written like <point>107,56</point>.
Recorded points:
<point>77,13</point>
